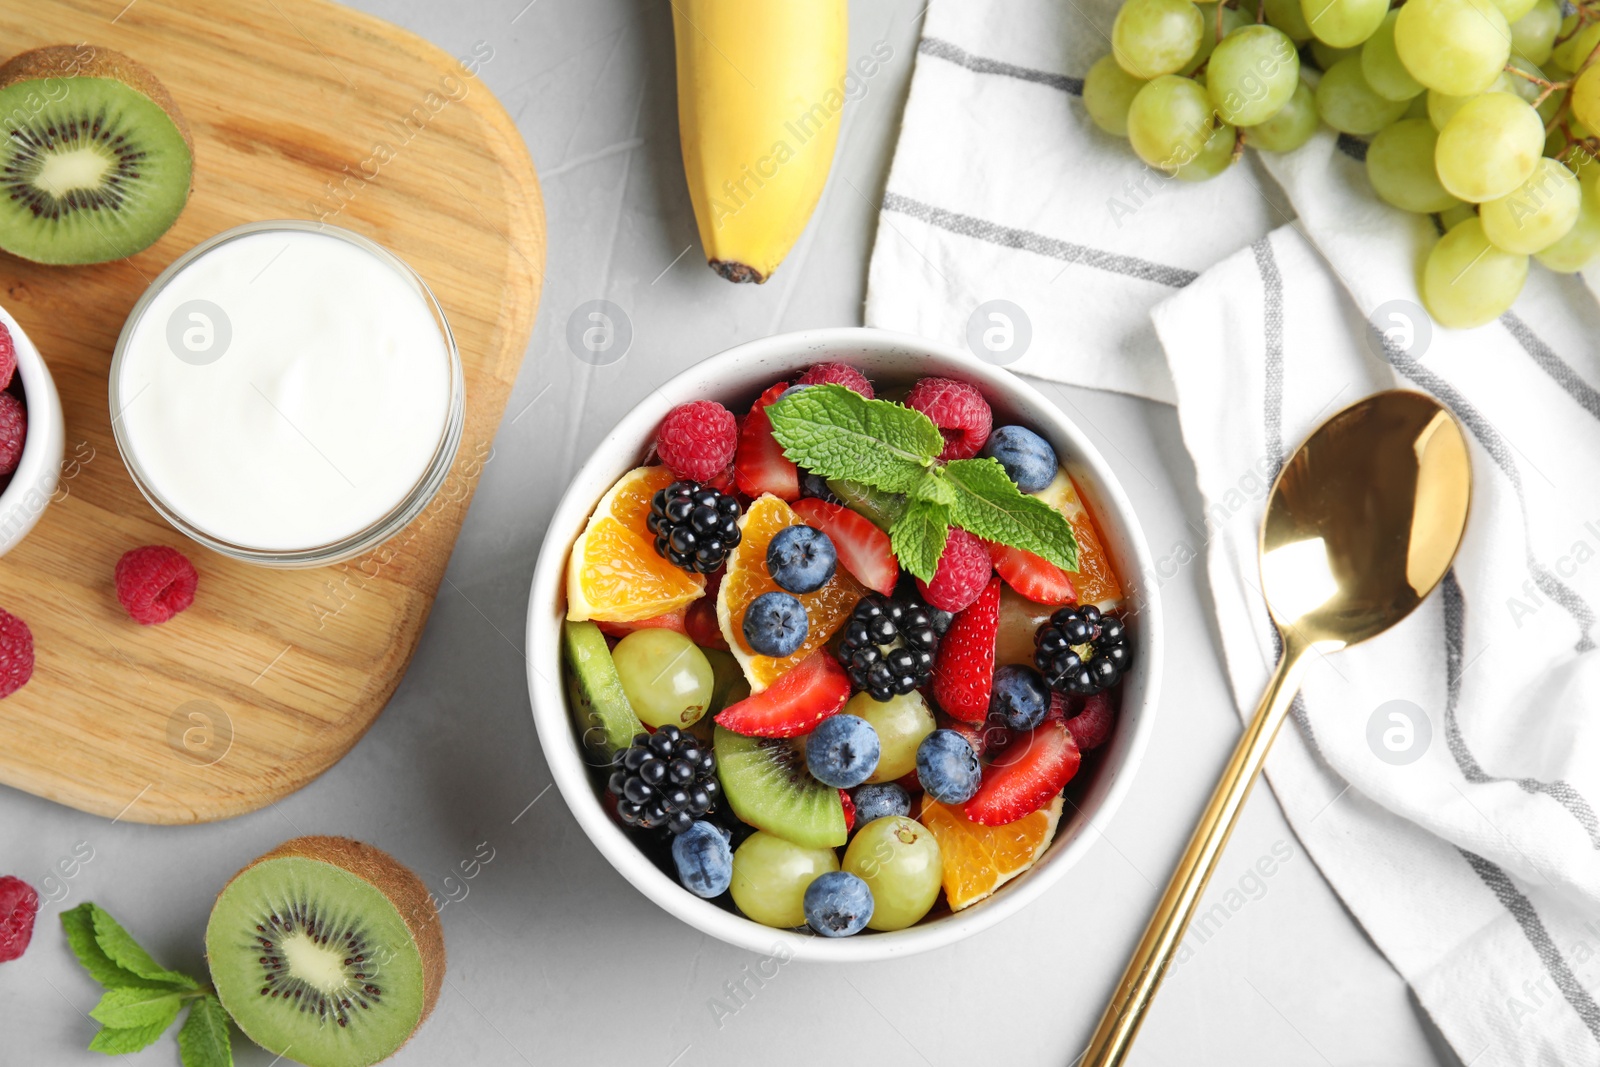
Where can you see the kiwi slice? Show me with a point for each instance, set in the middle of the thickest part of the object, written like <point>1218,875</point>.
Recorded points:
<point>97,159</point>
<point>878,506</point>
<point>594,691</point>
<point>767,785</point>
<point>326,951</point>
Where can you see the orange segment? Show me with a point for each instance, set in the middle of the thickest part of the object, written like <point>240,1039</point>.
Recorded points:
<point>1095,579</point>
<point>826,608</point>
<point>980,859</point>
<point>614,573</point>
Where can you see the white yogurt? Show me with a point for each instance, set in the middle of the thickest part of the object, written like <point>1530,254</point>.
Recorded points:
<point>285,390</point>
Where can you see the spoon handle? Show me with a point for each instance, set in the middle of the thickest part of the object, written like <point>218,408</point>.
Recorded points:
<point>1113,1038</point>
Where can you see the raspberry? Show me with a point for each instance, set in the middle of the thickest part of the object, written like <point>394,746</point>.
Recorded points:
<point>16,654</point>
<point>13,432</point>
<point>960,412</point>
<point>962,573</point>
<point>8,356</point>
<point>1092,726</point>
<point>154,583</point>
<point>837,374</point>
<point>18,905</point>
<point>696,440</point>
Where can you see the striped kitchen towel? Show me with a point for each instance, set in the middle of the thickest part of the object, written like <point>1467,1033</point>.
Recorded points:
<point>1011,223</point>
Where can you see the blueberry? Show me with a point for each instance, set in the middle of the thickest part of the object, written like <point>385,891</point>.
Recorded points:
<point>838,904</point>
<point>947,767</point>
<point>704,859</point>
<point>816,486</point>
<point>793,389</point>
<point>1020,696</point>
<point>775,624</point>
<point>801,559</point>
<point>1027,457</point>
<point>880,799</point>
<point>842,751</point>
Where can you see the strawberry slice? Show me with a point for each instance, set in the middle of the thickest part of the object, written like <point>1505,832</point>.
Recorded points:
<point>1032,575</point>
<point>794,704</point>
<point>849,811</point>
<point>963,670</point>
<point>759,465</point>
<point>1091,727</point>
<point>863,548</point>
<point>1023,779</point>
<point>672,620</point>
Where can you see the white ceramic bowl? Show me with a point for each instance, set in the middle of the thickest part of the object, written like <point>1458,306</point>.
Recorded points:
<point>34,481</point>
<point>735,378</point>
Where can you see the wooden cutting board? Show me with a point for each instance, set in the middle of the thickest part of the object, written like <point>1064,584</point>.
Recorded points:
<point>300,109</point>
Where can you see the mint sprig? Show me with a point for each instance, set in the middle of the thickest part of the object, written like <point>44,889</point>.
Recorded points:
<point>841,435</point>
<point>143,998</point>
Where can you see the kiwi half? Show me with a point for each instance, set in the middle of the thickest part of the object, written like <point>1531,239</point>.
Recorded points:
<point>767,785</point>
<point>326,951</point>
<point>96,159</point>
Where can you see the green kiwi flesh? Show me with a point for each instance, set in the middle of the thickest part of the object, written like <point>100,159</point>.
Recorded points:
<point>594,691</point>
<point>327,952</point>
<point>95,159</point>
<point>767,785</point>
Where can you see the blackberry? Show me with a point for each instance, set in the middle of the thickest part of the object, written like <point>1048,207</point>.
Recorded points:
<point>695,526</point>
<point>1081,651</point>
<point>664,781</point>
<point>869,653</point>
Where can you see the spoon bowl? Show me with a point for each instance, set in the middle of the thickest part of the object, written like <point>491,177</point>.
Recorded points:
<point>1362,524</point>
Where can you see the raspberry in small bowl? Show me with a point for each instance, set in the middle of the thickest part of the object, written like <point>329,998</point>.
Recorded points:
<point>32,437</point>
<point>789,715</point>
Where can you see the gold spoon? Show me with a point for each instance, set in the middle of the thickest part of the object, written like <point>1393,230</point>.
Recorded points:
<point>1362,523</point>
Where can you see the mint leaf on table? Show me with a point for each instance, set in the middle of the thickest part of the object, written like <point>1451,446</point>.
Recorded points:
<point>989,505</point>
<point>79,926</point>
<point>204,1041</point>
<point>128,1006</point>
<point>837,433</point>
<point>125,952</point>
<point>918,537</point>
<point>117,1041</point>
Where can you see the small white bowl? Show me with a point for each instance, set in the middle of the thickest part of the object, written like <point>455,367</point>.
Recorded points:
<point>34,481</point>
<point>735,378</point>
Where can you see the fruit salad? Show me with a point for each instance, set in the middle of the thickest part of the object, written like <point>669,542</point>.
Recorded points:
<point>839,659</point>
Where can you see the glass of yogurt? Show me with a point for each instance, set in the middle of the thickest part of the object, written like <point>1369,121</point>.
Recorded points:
<point>287,393</point>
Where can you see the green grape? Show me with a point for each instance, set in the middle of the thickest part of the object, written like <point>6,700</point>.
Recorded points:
<point>1287,16</point>
<point>667,678</point>
<point>902,722</point>
<point>1442,107</point>
<point>1252,74</point>
<point>1586,97</point>
<point>1467,281</point>
<point>1291,127</point>
<point>899,859</point>
<point>1536,214</point>
<point>1347,103</point>
<point>1400,167</point>
<point>1170,122</point>
<point>1454,46</point>
<point>1154,37</point>
<point>1460,213</point>
<point>1418,108</point>
<point>1381,66</point>
<point>1514,10</point>
<point>1343,23</point>
<point>1232,19</point>
<point>1574,251</point>
<point>1489,147</point>
<point>770,876</point>
<point>1326,55</point>
<point>1214,157</point>
<point>1533,36</point>
<point>1571,53</point>
<point>1108,90</point>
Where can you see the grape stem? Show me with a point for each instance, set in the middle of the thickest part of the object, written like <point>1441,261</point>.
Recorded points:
<point>1219,22</point>
<point>1546,84</point>
<point>1238,146</point>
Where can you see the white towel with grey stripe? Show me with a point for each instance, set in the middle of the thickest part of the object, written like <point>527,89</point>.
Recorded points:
<point>1011,223</point>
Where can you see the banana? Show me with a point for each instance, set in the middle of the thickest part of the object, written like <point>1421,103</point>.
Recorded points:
<point>761,88</point>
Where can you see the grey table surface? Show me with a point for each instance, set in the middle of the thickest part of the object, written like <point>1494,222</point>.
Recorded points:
<point>554,958</point>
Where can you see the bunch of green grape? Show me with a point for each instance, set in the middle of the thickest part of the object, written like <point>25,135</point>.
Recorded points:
<point>1481,112</point>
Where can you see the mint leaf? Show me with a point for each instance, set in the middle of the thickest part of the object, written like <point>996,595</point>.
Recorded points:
<point>115,1041</point>
<point>989,505</point>
<point>124,951</point>
<point>932,488</point>
<point>126,1007</point>
<point>836,433</point>
<point>918,537</point>
<point>79,926</point>
<point>204,1041</point>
